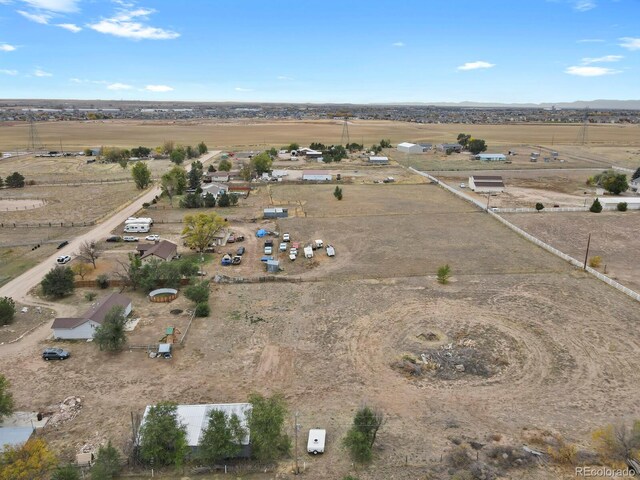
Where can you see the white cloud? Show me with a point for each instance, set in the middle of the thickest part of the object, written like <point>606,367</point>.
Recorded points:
<point>590,71</point>
<point>158,88</point>
<point>606,58</point>
<point>584,5</point>
<point>9,72</point>
<point>63,6</point>
<point>5,47</point>
<point>475,65</point>
<point>398,44</point>
<point>241,89</point>
<point>41,73</point>
<point>42,18</point>
<point>630,43</point>
<point>69,26</point>
<point>591,40</point>
<point>119,86</point>
<point>284,77</point>
<point>122,25</point>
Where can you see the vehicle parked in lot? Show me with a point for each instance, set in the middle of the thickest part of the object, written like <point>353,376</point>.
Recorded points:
<point>268,243</point>
<point>114,238</point>
<point>137,228</point>
<point>286,237</point>
<point>268,250</point>
<point>316,440</point>
<point>55,354</point>
<point>308,252</point>
<point>129,238</point>
<point>237,260</point>
<point>239,238</point>
<point>226,260</point>
<point>283,247</point>
<point>63,244</point>
<point>331,252</point>
<point>231,239</point>
<point>152,238</point>
<point>62,259</point>
<point>240,251</point>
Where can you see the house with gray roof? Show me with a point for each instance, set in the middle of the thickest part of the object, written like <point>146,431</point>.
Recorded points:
<point>162,250</point>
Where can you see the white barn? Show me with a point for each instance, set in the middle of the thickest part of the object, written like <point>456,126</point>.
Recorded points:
<point>407,147</point>
<point>486,183</point>
<point>491,157</point>
<point>378,160</point>
<point>316,176</point>
<point>84,327</point>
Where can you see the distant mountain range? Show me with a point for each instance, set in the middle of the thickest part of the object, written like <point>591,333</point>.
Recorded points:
<point>595,104</point>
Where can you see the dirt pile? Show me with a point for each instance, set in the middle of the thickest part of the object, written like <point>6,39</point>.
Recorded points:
<point>66,411</point>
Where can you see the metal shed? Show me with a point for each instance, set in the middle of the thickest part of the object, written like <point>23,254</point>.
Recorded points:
<point>273,266</point>
<point>275,213</point>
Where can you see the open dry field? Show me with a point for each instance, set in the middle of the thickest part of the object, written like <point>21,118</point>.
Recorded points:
<point>245,133</point>
<point>551,346</point>
<point>614,237</point>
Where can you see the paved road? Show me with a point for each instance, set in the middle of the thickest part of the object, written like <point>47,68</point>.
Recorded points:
<point>19,287</point>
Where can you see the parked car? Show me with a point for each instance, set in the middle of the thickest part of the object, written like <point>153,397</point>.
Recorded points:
<point>331,252</point>
<point>463,185</point>
<point>129,238</point>
<point>286,237</point>
<point>152,238</point>
<point>226,260</point>
<point>62,259</point>
<point>268,250</point>
<point>114,238</point>
<point>240,251</point>
<point>63,244</point>
<point>55,354</point>
<point>268,243</point>
<point>283,247</point>
<point>239,238</point>
<point>237,260</point>
<point>231,239</point>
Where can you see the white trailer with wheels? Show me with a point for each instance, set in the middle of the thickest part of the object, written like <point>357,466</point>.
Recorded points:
<point>308,252</point>
<point>317,437</point>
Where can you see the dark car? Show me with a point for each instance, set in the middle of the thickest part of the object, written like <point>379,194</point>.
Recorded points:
<point>239,238</point>
<point>55,354</point>
<point>63,244</point>
<point>240,251</point>
<point>114,238</point>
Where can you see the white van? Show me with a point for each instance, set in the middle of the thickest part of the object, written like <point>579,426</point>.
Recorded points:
<point>136,228</point>
<point>317,437</point>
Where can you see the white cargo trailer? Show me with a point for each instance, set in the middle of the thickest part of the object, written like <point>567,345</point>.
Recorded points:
<point>317,437</point>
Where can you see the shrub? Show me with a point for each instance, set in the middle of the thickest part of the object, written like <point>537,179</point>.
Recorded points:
<point>89,296</point>
<point>146,205</point>
<point>459,457</point>
<point>444,273</point>
<point>596,207</point>
<point>102,281</point>
<point>7,310</point>
<point>622,206</point>
<point>58,282</point>
<point>563,453</point>
<point>539,206</point>
<point>595,262</point>
<point>202,310</point>
<point>198,293</point>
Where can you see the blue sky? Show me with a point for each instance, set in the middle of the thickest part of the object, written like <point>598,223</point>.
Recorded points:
<point>321,50</point>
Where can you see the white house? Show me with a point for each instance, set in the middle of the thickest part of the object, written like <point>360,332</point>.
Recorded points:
<point>84,327</point>
<point>195,418</point>
<point>316,175</point>
<point>486,183</point>
<point>214,189</point>
<point>407,147</point>
<point>491,157</point>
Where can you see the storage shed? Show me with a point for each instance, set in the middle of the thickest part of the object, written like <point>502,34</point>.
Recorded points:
<point>486,183</point>
<point>491,157</point>
<point>316,176</point>
<point>378,160</point>
<point>275,213</point>
<point>407,147</point>
<point>273,266</point>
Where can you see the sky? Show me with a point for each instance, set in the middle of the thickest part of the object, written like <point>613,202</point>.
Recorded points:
<point>321,51</point>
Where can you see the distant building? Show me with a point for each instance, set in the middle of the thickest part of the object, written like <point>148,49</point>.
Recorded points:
<point>316,176</point>
<point>84,327</point>
<point>426,147</point>
<point>275,213</point>
<point>406,147</point>
<point>379,160</point>
<point>491,157</point>
<point>486,183</point>
<point>215,177</point>
<point>454,147</point>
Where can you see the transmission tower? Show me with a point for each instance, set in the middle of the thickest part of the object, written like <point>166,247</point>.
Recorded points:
<point>344,140</point>
<point>34,144</point>
<point>583,135</point>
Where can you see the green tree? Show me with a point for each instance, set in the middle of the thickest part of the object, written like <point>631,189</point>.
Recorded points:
<point>198,292</point>
<point>539,206</point>
<point>622,207</point>
<point>221,438</point>
<point>178,156</point>
<point>7,310</point>
<point>224,200</point>
<point>202,310</point>
<point>191,152</point>
<point>596,206</point>
<point>246,173</point>
<point>225,165</point>
<point>107,463</point>
<point>202,148</point>
<point>191,200</point>
<point>6,399</point>
<point>111,335</point>
<point>201,229</point>
<point>141,175</point>
<point>58,282</point>
<point>211,168</point>
<point>362,434</point>
<point>444,273</point>
<point>261,163</point>
<point>209,200</point>
<point>194,178</point>
<point>30,461</point>
<point>174,182</point>
<point>140,152</point>
<point>273,152</point>
<point>163,439</point>
<point>266,424</point>
<point>337,193</point>
<point>233,199</point>
<point>293,146</point>
<point>385,143</point>
<point>476,145</point>
<point>66,472</point>
<point>616,184</point>
<point>320,147</point>
<point>463,139</point>
<point>15,180</point>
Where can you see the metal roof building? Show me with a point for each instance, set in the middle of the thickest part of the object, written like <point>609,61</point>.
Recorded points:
<point>379,160</point>
<point>486,183</point>
<point>407,147</point>
<point>14,436</point>
<point>491,157</point>
<point>275,213</point>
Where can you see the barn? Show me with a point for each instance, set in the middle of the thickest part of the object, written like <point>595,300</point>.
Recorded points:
<point>407,147</point>
<point>486,183</point>
<point>377,160</point>
<point>491,157</point>
<point>83,328</point>
<point>316,176</point>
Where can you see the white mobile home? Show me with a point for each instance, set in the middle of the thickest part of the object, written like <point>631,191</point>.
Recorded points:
<point>378,160</point>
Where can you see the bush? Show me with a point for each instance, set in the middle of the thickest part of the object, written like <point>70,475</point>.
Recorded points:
<point>444,273</point>
<point>90,296</point>
<point>622,206</point>
<point>539,206</point>
<point>198,293</point>
<point>202,310</point>
<point>595,262</point>
<point>459,457</point>
<point>596,207</point>
<point>102,281</point>
<point>146,205</point>
<point>7,310</point>
<point>58,282</point>
<point>563,453</point>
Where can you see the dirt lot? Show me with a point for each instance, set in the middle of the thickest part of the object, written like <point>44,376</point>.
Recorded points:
<point>614,237</point>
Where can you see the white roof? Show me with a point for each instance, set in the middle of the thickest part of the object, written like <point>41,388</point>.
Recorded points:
<point>616,200</point>
<point>378,158</point>
<point>196,417</point>
<point>406,144</point>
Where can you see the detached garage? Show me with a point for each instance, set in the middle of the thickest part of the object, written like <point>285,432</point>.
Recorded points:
<point>84,327</point>
<point>407,147</point>
<point>486,183</point>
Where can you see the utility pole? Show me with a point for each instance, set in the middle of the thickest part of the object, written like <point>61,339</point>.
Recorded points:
<point>586,255</point>
<point>296,427</point>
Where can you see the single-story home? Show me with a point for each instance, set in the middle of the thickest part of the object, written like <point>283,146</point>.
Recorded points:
<point>408,147</point>
<point>378,160</point>
<point>195,418</point>
<point>275,213</point>
<point>163,250</point>
<point>453,147</point>
<point>491,157</point>
<point>316,175</point>
<point>214,189</point>
<point>84,327</point>
<point>633,203</point>
<point>486,183</point>
<point>216,177</point>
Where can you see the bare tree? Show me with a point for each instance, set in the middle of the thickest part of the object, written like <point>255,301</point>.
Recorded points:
<point>89,252</point>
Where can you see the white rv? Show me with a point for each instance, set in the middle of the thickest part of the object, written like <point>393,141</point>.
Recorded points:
<point>317,437</point>
<point>136,228</point>
<point>308,252</point>
<point>132,220</point>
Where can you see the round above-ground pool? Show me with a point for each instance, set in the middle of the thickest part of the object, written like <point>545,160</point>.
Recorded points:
<point>163,295</point>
